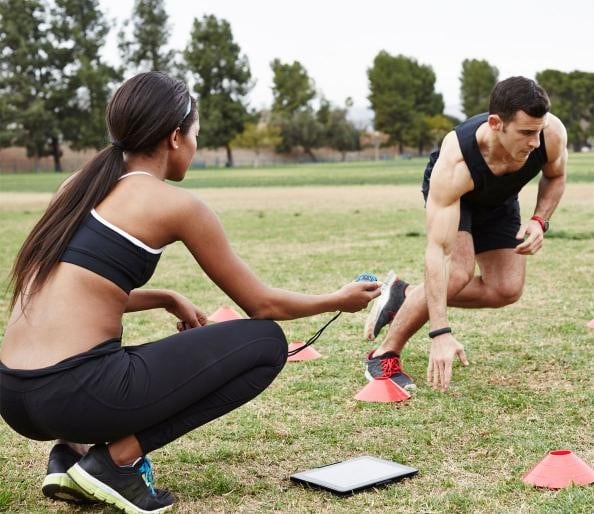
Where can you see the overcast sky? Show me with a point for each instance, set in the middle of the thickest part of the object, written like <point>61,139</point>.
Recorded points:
<point>337,41</point>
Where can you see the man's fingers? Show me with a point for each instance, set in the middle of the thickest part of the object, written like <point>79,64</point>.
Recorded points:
<point>462,357</point>
<point>430,372</point>
<point>447,376</point>
<point>438,376</point>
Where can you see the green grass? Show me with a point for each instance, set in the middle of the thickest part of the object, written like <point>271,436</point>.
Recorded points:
<point>396,172</point>
<point>527,391</point>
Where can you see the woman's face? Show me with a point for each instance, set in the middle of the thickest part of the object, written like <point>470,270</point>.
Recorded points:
<point>185,152</point>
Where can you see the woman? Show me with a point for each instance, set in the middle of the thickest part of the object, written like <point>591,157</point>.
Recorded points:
<point>63,372</point>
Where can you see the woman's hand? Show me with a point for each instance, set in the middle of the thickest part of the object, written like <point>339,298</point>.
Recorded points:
<point>355,296</point>
<point>186,312</point>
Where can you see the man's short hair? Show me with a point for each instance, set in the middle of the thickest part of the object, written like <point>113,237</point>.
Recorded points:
<point>518,94</point>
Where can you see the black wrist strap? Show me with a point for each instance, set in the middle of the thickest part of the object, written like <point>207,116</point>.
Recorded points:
<point>439,331</point>
<point>313,338</point>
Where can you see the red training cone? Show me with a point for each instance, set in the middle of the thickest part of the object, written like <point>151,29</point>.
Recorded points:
<point>224,313</point>
<point>307,354</point>
<point>590,324</point>
<point>559,469</point>
<point>382,390</point>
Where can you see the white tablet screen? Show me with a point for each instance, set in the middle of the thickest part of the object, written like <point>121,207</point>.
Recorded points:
<point>354,474</point>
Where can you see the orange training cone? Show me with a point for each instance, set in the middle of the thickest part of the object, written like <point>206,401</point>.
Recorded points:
<point>307,354</point>
<point>382,390</point>
<point>224,313</point>
<point>590,324</point>
<point>559,469</point>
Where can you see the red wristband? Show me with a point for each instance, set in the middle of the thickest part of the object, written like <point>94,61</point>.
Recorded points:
<point>541,221</point>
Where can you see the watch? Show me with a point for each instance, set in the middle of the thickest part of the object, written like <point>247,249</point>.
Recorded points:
<point>544,224</point>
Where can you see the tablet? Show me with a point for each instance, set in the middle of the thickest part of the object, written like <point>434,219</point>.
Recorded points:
<point>350,476</point>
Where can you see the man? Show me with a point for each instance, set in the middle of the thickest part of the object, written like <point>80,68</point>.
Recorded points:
<point>473,217</point>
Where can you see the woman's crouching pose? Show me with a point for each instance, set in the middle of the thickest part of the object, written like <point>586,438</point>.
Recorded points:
<point>65,375</point>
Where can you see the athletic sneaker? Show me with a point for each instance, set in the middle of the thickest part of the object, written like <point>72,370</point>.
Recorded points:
<point>128,488</point>
<point>388,365</point>
<point>57,485</point>
<point>385,306</point>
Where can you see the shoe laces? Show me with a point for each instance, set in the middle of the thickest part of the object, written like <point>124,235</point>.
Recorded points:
<point>146,471</point>
<point>391,366</point>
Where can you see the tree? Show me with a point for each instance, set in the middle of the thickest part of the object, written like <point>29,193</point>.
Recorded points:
<point>54,86</point>
<point>145,51</point>
<point>401,95</point>
<point>256,137</point>
<point>86,82</point>
<point>572,101</point>
<point>292,88</point>
<point>439,126</point>
<point>476,83</point>
<point>340,133</point>
<point>27,76</point>
<point>292,92</point>
<point>223,79</point>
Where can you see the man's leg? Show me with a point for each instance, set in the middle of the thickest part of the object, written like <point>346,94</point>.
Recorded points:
<point>414,314</point>
<point>500,283</point>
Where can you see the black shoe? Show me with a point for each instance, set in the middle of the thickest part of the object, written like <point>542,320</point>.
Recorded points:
<point>128,488</point>
<point>385,306</point>
<point>57,485</point>
<point>388,365</point>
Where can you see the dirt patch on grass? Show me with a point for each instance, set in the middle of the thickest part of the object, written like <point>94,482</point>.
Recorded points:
<point>316,198</point>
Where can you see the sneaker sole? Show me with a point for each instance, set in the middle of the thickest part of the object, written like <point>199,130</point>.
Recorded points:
<point>59,486</point>
<point>408,387</point>
<point>106,494</point>
<point>377,307</point>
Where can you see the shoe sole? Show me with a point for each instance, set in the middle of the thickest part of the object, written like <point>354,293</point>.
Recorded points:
<point>106,494</point>
<point>408,387</point>
<point>377,307</point>
<point>59,486</point>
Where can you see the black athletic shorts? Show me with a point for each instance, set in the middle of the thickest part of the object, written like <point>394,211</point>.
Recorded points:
<point>491,228</point>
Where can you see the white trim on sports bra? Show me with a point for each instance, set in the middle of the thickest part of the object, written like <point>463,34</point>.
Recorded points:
<point>125,234</point>
<point>135,173</point>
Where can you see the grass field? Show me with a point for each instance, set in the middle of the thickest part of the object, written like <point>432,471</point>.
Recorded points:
<point>528,390</point>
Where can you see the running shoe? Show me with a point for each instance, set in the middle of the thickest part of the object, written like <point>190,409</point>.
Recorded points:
<point>388,365</point>
<point>385,306</point>
<point>57,485</point>
<point>128,488</point>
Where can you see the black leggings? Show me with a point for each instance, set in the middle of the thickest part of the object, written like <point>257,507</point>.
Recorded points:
<point>156,391</point>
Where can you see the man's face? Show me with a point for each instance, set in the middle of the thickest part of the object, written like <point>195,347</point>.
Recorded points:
<point>521,135</point>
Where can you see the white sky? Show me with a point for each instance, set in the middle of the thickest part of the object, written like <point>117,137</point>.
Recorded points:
<point>337,40</point>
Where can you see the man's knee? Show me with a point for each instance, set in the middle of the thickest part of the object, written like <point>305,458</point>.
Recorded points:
<point>506,294</point>
<point>459,279</point>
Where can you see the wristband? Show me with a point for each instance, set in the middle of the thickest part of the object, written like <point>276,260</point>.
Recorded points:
<point>544,224</point>
<point>439,331</point>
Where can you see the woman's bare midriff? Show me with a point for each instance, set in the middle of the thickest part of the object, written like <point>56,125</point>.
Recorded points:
<point>75,311</point>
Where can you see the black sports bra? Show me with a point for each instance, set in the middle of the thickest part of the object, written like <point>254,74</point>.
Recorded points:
<point>112,253</point>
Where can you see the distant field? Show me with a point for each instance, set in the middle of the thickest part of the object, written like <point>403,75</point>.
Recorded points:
<point>396,172</point>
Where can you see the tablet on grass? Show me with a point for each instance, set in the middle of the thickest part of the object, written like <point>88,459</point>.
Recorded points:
<point>350,476</point>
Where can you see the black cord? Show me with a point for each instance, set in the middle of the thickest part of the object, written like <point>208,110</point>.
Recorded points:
<point>315,337</point>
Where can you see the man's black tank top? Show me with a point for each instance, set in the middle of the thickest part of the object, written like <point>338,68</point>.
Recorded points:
<point>490,190</point>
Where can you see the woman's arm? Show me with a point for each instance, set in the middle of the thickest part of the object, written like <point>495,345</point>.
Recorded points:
<point>201,231</point>
<point>184,310</point>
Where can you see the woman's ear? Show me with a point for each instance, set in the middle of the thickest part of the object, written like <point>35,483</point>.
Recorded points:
<point>174,139</point>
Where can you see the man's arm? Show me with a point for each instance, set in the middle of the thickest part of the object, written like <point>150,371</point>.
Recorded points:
<point>552,182</point>
<point>550,187</point>
<point>450,179</point>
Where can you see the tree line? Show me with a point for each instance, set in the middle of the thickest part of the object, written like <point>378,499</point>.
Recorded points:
<point>55,85</point>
